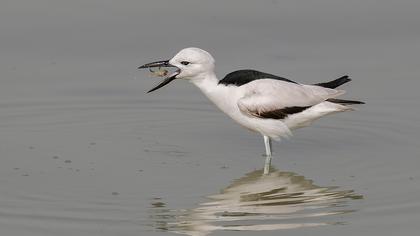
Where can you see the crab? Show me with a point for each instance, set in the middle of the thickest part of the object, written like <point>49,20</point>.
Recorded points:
<point>159,72</point>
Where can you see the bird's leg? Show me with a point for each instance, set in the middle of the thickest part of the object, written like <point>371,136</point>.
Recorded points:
<point>267,143</point>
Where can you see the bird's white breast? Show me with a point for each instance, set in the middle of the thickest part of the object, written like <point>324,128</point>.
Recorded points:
<point>226,99</point>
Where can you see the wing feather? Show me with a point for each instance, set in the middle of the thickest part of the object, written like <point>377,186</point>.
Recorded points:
<point>275,99</point>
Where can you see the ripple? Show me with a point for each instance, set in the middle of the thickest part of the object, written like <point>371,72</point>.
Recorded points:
<point>256,202</point>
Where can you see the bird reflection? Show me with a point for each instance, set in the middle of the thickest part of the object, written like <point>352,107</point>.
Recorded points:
<point>257,202</point>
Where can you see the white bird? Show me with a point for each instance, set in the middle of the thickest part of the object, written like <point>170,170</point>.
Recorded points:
<point>261,102</point>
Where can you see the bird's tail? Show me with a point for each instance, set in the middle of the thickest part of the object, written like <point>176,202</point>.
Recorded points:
<point>335,83</point>
<point>344,102</point>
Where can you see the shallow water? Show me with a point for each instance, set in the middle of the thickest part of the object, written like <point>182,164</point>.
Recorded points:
<point>84,151</point>
<point>257,202</point>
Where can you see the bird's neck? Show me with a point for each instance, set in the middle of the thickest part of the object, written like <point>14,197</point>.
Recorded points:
<point>207,83</point>
<point>219,94</point>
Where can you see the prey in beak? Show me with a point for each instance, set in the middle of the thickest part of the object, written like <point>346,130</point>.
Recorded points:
<point>160,64</point>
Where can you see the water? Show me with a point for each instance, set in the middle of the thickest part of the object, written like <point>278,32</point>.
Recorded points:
<point>84,151</point>
<point>257,202</point>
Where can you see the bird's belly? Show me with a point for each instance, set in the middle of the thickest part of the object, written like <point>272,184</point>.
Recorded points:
<point>227,101</point>
<point>269,127</point>
<point>276,128</point>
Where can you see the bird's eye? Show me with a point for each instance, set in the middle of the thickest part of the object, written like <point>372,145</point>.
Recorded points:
<point>185,63</point>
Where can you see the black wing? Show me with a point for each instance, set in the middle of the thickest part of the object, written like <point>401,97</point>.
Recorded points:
<point>241,77</point>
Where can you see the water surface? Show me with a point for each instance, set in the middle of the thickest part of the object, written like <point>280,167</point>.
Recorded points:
<point>85,151</point>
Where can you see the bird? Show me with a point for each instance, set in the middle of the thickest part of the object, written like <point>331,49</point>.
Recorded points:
<point>261,102</point>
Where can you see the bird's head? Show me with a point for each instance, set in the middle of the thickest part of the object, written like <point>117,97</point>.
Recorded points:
<point>191,64</point>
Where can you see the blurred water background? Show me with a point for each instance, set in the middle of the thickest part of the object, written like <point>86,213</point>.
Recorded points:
<point>85,151</point>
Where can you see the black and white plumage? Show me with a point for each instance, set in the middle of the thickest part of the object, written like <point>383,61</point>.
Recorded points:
<point>241,77</point>
<point>261,102</point>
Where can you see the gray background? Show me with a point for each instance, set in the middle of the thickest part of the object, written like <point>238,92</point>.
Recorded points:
<point>84,151</point>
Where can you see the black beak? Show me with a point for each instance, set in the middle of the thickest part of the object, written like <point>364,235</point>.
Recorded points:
<point>156,64</point>
<point>161,64</point>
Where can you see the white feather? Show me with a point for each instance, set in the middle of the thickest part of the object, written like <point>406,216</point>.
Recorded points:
<point>245,103</point>
<point>267,95</point>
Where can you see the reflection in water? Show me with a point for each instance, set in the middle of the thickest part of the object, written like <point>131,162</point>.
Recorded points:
<point>255,202</point>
